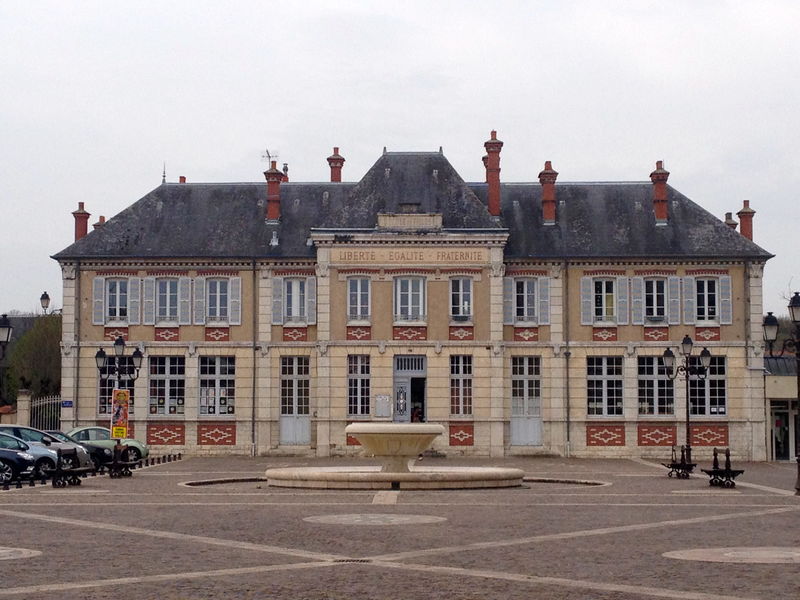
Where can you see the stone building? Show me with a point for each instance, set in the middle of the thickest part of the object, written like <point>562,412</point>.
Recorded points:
<point>525,317</point>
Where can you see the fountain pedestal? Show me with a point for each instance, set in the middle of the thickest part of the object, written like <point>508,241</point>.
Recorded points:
<point>395,444</point>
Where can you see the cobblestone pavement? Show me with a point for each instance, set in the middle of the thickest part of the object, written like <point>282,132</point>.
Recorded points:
<point>151,536</point>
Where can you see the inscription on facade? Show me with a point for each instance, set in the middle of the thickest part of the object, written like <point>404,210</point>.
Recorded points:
<point>406,256</point>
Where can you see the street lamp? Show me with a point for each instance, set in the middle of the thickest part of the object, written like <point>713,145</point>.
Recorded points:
<point>686,369</point>
<point>5,337</point>
<point>44,300</point>
<point>793,345</point>
<point>115,368</point>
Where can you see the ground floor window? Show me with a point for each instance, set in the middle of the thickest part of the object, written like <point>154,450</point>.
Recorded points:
<point>167,385</point>
<point>217,385</point>
<point>109,384</point>
<point>707,396</point>
<point>656,389</point>
<point>461,385</point>
<point>604,385</point>
<point>295,385</point>
<point>358,393</point>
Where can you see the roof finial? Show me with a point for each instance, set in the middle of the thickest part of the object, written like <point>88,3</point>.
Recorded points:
<point>164,173</point>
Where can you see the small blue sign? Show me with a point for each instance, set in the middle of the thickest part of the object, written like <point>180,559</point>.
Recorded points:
<point>66,404</point>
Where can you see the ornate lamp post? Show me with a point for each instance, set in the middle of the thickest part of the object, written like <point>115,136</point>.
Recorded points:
<point>44,300</point>
<point>5,337</point>
<point>686,369</point>
<point>115,368</point>
<point>793,345</point>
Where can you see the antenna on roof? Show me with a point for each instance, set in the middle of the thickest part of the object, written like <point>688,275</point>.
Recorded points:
<point>164,173</point>
<point>269,156</point>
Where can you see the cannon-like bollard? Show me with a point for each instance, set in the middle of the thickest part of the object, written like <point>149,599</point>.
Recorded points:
<point>19,484</point>
<point>32,483</point>
<point>180,457</point>
<point>797,483</point>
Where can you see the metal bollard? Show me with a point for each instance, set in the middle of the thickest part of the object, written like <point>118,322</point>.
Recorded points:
<point>5,486</point>
<point>19,484</point>
<point>169,457</point>
<point>180,456</point>
<point>797,483</point>
<point>32,483</point>
<point>44,480</point>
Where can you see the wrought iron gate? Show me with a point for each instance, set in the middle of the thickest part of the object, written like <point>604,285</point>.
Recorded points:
<point>46,413</point>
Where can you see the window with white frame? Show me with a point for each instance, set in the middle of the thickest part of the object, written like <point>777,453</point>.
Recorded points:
<point>706,299</point>
<point>294,294</point>
<point>461,298</point>
<point>358,389</point>
<point>358,302</point>
<point>217,299</point>
<point>167,299</point>
<point>707,396</point>
<point>108,382</point>
<point>655,299</point>
<point>117,299</point>
<point>604,386</point>
<point>525,299</point>
<point>656,389</point>
<point>604,300</point>
<point>217,385</point>
<point>167,385</point>
<point>409,299</point>
<point>526,386</point>
<point>295,385</point>
<point>461,385</point>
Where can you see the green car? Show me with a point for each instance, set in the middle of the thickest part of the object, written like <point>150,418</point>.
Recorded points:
<point>101,436</point>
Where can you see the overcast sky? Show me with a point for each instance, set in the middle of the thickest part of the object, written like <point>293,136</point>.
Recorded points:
<point>96,96</point>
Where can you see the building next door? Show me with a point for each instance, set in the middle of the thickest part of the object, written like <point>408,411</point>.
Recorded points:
<point>785,430</point>
<point>409,389</point>
<point>295,421</point>
<point>526,401</point>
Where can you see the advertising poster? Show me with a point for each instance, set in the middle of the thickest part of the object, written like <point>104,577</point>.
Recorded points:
<point>119,413</point>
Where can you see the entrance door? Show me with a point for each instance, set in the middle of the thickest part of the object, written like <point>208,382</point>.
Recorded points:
<point>526,402</point>
<point>295,423</point>
<point>780,435</point>
<point>409,389</point>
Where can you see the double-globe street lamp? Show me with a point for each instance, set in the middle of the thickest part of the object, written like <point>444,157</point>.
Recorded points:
<point>117,368</point>
<point>687,369</point>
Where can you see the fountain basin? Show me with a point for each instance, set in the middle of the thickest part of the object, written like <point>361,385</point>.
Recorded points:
<point>395,444</point>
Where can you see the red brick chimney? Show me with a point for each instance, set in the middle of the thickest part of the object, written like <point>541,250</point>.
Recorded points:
<point>274,178</point>
<point>730,222</point>
<point>101,221</point>
<point>547,178</point>
<point>81,221</point>
<point>493,147</point>
<point>182,179</point>
<point>746,219</point>
<point>659,178</point>
<point>336,162</point>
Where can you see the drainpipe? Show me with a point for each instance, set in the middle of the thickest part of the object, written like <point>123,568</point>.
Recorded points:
<point>565,303</point>
<point>254,295</point>
<point>76,385</point>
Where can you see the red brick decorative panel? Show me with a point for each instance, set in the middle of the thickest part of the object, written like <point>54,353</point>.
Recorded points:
<point>709,435</point>
<point>106,422</point>
<point>216,434</point>
<point>462,332</point>
<point>112,333</point>
<point>168,334</point>
<point>409,334</point>
<point>706,334</point>
<point>359,333</point>
<point>605,435</point>
<point>166,434</point>
<point>218,334</point>
<point>295,334</point>
<point>656,334</point>
<point>657,435</point>
<point>526,334</point>
<point>462,434</point>
<point>604,334</point>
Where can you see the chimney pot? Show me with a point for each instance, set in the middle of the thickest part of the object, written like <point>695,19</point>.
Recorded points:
<point>81,221</point>
<point>182,179</point>
<point>493,147</point>
<point>659,178</point>
<point>730,222</point>
<point>547,179</point>
<point>746,220</point>
<point>336,162</point>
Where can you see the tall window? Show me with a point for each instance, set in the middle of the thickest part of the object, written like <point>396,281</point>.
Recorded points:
<point>295,299</point>
<point>604,300</point>
<point>656,389</point>
<point>358,384</point>
<point>117,299</point>
<point>107,385</point>
<point>217,299</point>
<point>217,385</point>
<point>525,299</point>
<point>604,385</point>
<point>461,298</point>
<point>707,309</point>
<point>295,385</point>
<point>707,396</point>
<point>167,385</point>
<point>526,387</point>
<point>654,299</point>
<point>167,299</point>
<point>409,299</point>
<point>461,385</point>
<point>358,298</point>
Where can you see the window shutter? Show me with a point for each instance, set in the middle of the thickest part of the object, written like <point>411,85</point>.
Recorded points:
<point>622,300</point>
<point>637,300</point>
<point>586,301</point>
<point>544,301</point>
<point>199,300</point>
<point>98,301</point>
<point>235,301</point>
<point>185,301</point>
<point>725,300</point>
<point>311,300</point>
<point>149,303</point>
<point>689,296</point>
<point>674,301</point>
<point>134,300</point>
<point>277,301</point>
<point>508,300</point>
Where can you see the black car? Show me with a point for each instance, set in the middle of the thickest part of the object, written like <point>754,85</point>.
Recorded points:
<point>15,463</point>
<point>100,456</point>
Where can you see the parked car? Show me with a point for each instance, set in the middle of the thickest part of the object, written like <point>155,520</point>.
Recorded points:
<point>29,434</point>
<point>44,458</point>
<point>101,436</point>
<point>98,454</point>
<point>15,463</point>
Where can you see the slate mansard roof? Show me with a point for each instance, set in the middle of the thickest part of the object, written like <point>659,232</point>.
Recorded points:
<point>227,220</point>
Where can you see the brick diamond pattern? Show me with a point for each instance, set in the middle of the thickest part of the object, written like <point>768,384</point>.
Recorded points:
<point>706,334</point>
<point>166,434</point>
<point>604,334</point>
<point>462,434</point>
<point>295,334</point>
<point>460,333</point>
<point>359,333</point>
<point>408,334</point>
<point>605,435</point>
<point>218,334</point>
<point>657,435</point>
<point>709,435</point>
<point>656,334</point>
<point>526,334</point>
<point>112,333</point>
<point>168,334</point>
<point>216,434</point>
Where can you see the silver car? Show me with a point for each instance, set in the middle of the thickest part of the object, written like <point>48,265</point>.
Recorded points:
<point>30,435</point>
<point>45,457</point>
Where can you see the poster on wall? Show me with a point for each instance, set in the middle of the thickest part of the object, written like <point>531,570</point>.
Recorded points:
<point>120,400</point>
